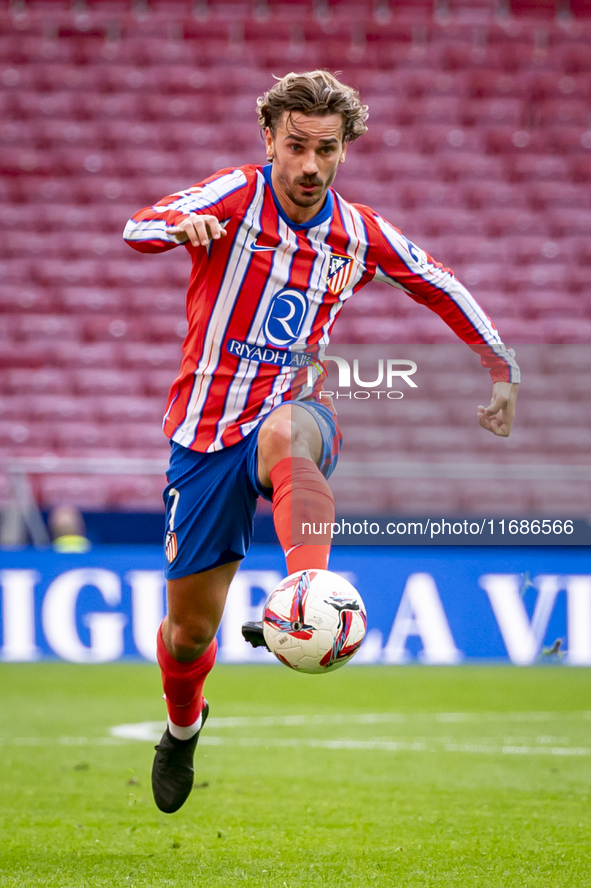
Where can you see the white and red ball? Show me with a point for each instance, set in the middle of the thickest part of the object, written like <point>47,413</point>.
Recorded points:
<point>314,621</point>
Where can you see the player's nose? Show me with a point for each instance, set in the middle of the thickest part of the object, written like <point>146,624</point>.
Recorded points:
<point>309,166</point>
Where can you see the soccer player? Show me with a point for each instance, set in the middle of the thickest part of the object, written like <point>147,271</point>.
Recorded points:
<point>275,253</point>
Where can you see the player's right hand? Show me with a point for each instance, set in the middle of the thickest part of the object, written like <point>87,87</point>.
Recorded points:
<point>200,230</point>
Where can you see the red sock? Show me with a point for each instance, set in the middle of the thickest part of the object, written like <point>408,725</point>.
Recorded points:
<point>301,494</point>
<point>183,682</point>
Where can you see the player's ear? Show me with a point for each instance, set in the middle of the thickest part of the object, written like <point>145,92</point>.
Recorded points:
<point>343,153</point>
<point>269,144</point>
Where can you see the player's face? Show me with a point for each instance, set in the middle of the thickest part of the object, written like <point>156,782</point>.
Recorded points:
<point>306,151</point>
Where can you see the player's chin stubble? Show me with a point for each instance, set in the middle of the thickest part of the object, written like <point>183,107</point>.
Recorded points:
<point>306,200</point>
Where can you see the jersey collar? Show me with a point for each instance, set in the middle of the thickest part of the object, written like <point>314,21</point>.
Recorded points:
<point>320,217</point>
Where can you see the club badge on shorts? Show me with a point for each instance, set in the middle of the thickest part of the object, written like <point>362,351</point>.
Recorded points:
<point>170,546</point>
<point>339,274</point>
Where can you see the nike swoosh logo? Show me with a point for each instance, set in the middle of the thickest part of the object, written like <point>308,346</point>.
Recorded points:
<point>256,248</point>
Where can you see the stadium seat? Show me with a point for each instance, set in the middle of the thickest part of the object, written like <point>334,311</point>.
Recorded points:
<point>25,437</point>
<point>563,221</point>
<point>156,300</point>
<point>542,9</point>
<point>500,223</point>
<point>119,408</point>
<point>467,166</point>
<point>563,111</point>
<point>86,491</point>
<point>57,407</point>
<point>32,327</point>
<point>580,169</point>
<point>578,281</point>
<point>566,330</point>
<point>401,166</point>
<point>349,492</point>
<point>562,500</point>
<point>499,500</point>
<point>150,355</point>
<point>561,301</point>
<point>23,380</point>
<point>437,221</point>
<point>110,380</point>
<point>551,195</point>
<point>133,494</point>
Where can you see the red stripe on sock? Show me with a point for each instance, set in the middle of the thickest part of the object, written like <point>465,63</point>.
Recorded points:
<point>301,495</point>
<point>183,682</point>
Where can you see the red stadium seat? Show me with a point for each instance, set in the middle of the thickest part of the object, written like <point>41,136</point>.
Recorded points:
<point>19,380</point>
<point>489,83</point>
<point>401,166</point>
<point>567,221</point>
<point>110,380</point>
<point>569,140</point>
<point>34,327</point>
<point>167,328</point>
<point>59,407</point>
<point>349,492</point>
<point>144,355</point>
<point>580,169</point>
<point>467,166</point>
<point>123,105</point>
<point>84,299</point>
<point>493,111</point>
<point>580,8</point>
<point>58,272</point>
<point>86,491</point>
<point>535,278</point>
<point>119,408</point>
<point>156,301</point>
<point>551,195</point>
<point>473,11</point>
<point>563,111</point>
<point>157,384</point>
<point>578,280</point>
<point>437,221</point>
<point>503,500</point>
<point>562,361</point>
<point>541,9</point>
<point>566,330</point>
<point>562,499</point>
<point>136,494</point>
<point>16,434</point>
<point>501,223</point>
<point>531,167</point>
<point>147,434</point>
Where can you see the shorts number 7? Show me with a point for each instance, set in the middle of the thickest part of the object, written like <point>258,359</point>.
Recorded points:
<point>176,496</point>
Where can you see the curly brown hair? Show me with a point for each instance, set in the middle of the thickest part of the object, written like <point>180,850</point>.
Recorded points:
<point>315,92</point>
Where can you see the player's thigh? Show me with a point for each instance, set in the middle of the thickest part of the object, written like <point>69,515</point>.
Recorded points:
<point>290,430</point>
<point>196,604</point>
<point>210,506</point>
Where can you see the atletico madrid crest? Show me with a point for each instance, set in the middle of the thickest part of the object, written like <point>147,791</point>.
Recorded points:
<point>171,546</point>
<point>340,270</point>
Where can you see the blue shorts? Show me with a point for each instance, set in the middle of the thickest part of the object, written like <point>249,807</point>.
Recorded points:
<point>210,498</point>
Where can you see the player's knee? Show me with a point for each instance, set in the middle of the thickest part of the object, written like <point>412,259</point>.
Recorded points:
<point>281,438</point>
<point>191,639</point>
<point>275,439</point>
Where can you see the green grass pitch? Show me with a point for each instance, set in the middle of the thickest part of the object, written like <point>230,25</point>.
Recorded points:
<point>373,776</point>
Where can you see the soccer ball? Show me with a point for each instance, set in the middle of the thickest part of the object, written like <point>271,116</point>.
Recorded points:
<point>314,621</point>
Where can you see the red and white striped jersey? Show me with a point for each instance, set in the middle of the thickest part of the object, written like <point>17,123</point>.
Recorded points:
<point>273,288</point>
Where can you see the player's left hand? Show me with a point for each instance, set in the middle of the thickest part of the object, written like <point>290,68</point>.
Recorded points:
<point>498,416</point>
